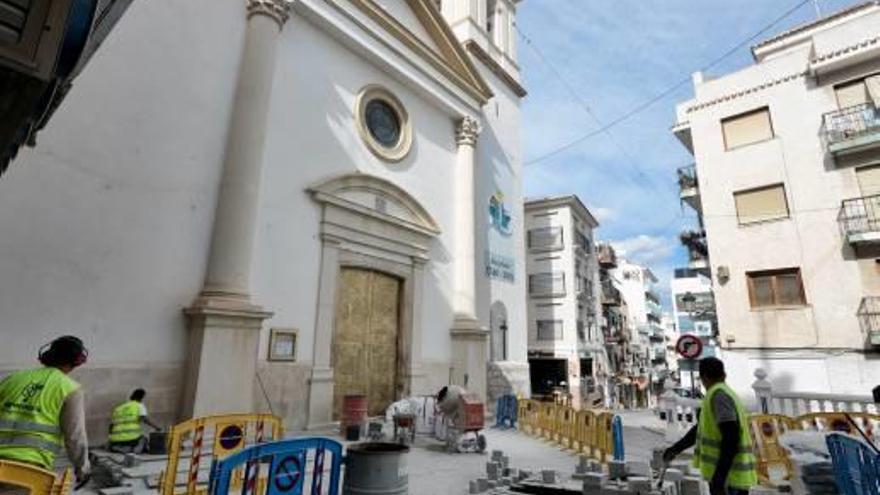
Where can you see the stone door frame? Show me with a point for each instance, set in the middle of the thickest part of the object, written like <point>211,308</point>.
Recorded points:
<point>372,224</point>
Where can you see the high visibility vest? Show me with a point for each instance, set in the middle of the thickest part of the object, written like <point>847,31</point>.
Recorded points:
<point>30,415</point>
<point>125,423</point>
<point>742,474</point>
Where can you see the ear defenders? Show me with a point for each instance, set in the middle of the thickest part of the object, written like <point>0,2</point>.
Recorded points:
<point>67,348</point>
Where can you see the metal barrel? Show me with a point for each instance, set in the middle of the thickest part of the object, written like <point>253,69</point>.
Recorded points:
<point>376,469</point>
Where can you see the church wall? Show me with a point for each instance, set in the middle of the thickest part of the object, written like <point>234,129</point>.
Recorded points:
<point>104,227</point>
<point>313,137</point>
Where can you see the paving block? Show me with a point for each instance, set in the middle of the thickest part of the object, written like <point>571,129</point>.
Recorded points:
<point>505,462</point>
<point>639,484</point>
<point>693,485</point>
<point>493,470</point>
<point>473,487</point>
<point>638,468</point>
<point>673,475</point>
<point>616,490</point>
<point>497,455</point>
<point>548,476</point>
<point>493,484</point>
<point>119,490</point>
<point>595,467</point>
<point>595,479</point>
<point>616,469</point>
<point>524,474</point>
<point>482,484</point>
<point>506,481</point>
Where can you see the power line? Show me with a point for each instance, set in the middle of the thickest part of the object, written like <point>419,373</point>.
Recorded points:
<point>589,111</point>
<point>663,94</point>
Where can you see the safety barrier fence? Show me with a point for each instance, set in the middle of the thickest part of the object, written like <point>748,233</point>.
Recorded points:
<point>194,445</point>
<point>589,432</point>
<point>34,479</point>
<point>766,429</point>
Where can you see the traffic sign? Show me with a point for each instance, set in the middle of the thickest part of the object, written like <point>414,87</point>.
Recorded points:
<point>689,346</point>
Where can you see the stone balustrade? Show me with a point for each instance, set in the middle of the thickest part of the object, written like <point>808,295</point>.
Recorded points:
<point>797,403</point>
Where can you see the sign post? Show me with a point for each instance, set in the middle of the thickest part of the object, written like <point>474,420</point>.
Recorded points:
<point>690,347</point>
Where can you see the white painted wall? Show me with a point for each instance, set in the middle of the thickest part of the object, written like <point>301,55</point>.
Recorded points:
<point>834,279</point>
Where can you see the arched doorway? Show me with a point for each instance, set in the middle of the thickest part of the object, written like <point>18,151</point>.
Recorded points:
<point>498,335</point>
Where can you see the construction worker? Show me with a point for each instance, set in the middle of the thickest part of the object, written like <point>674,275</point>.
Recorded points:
<point>126,433</point>
<point>42,410</point>
<point>723,451</point>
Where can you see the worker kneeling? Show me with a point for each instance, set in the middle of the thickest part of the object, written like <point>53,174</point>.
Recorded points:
<point>722,445</point>
<point>126,431</point>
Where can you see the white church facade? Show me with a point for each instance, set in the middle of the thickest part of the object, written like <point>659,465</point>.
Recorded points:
<point>255,205</point>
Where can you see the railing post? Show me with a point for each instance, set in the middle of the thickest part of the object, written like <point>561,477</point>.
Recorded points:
<point>763,391</point>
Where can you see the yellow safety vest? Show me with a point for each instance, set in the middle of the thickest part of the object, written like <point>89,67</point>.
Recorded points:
<point>708,449</point>
<point>125,423</point>
<point>30,415</point>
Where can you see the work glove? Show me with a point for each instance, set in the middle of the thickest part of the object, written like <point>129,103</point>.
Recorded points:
<point>669,455</point>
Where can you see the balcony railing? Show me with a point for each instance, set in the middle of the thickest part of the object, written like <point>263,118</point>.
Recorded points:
<point>606,256</point>
<point>869,318</point>
<point>859,219</point>
<point>687,178</point>
<point>550,284</point>
<point>852,129</point>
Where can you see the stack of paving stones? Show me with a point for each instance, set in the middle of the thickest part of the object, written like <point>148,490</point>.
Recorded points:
<point>620,478</point>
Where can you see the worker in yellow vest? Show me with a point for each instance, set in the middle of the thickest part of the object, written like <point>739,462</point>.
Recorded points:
<point>722,444</point>
<point>42,410</point>
<point>126,432</point>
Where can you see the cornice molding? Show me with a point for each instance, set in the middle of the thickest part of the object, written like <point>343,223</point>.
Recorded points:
<point>467,131</point>
<point>745,92</point>
<point>278,10</point>
<point>480,54</point>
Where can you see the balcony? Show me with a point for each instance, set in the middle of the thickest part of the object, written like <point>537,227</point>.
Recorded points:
<point>869,318</point>
<point>606,256</point>
<point>698,250</point>
<point>610,294</point>
<point>859,220</point>
<point>852,130</point>
<point>551,284</point>
<point>689,187</point>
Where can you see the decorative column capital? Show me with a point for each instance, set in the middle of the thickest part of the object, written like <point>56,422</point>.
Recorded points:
<point>467,131</point>
<point>279,10</point>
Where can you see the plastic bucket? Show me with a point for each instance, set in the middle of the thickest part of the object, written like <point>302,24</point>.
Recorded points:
<point>376,469</point>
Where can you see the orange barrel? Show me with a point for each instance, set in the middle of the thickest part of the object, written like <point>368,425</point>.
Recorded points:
<point>354,411</point>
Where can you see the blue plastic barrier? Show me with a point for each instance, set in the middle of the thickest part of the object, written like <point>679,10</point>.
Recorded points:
<point>506,411</point>
<point>617,435</point>
<point>856,466</point>
<point>288,467</point>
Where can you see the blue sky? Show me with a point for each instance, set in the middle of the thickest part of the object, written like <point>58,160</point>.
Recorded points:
<point>615,55</point>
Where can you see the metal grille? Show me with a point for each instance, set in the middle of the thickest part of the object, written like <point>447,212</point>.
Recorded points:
<point>687,177</point>
<point>545,238</point>
<point>850,123</point>
<point>860,215</point>
<point>547,284</point>
<point>13,14</point>
<point>549,330</point>
<point>869,318</point>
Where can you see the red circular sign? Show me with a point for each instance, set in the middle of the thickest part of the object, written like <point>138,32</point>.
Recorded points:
<point>689,346</point>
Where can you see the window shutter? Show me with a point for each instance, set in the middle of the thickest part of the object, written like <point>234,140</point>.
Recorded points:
<point>761,204</point>
<point>749,128</point>
<point>851,94</point>
<point>13,14</point>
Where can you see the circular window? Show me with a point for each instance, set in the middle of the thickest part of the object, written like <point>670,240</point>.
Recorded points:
<point>383,124</point>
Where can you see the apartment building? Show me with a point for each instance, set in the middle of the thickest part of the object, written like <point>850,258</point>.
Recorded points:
<point>787,181</point>
<point>565,345</point>
<point>637,288</point>
<point>693,311</point>
<point>614,324</point>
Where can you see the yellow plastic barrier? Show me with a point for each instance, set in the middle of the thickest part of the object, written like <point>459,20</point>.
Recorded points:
<point>193,444</point>
<point>565,420</point>
<point>548,420</point>
<point>586,431</point>
<point>765,430</point>
<point>37,481</point>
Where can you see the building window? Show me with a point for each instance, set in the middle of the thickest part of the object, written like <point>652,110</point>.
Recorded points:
<point>581,330</point>
<point>383,124</point>
<point>761,204</point>
<point>776,288</point>
<point>748,128</point>
<point>547,284</point>
<point>549,330</point>
<point>282,344</point>
<point>545,238</point>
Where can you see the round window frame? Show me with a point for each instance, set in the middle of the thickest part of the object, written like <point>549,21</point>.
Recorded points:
<point>404,143</point>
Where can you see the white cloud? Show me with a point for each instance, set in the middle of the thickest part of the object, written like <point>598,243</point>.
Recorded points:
<point>602,213</point>
<point>645,249</point>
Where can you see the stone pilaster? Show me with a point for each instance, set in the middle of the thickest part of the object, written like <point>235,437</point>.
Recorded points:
<point>470,341</point>
<point>224,323</point>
